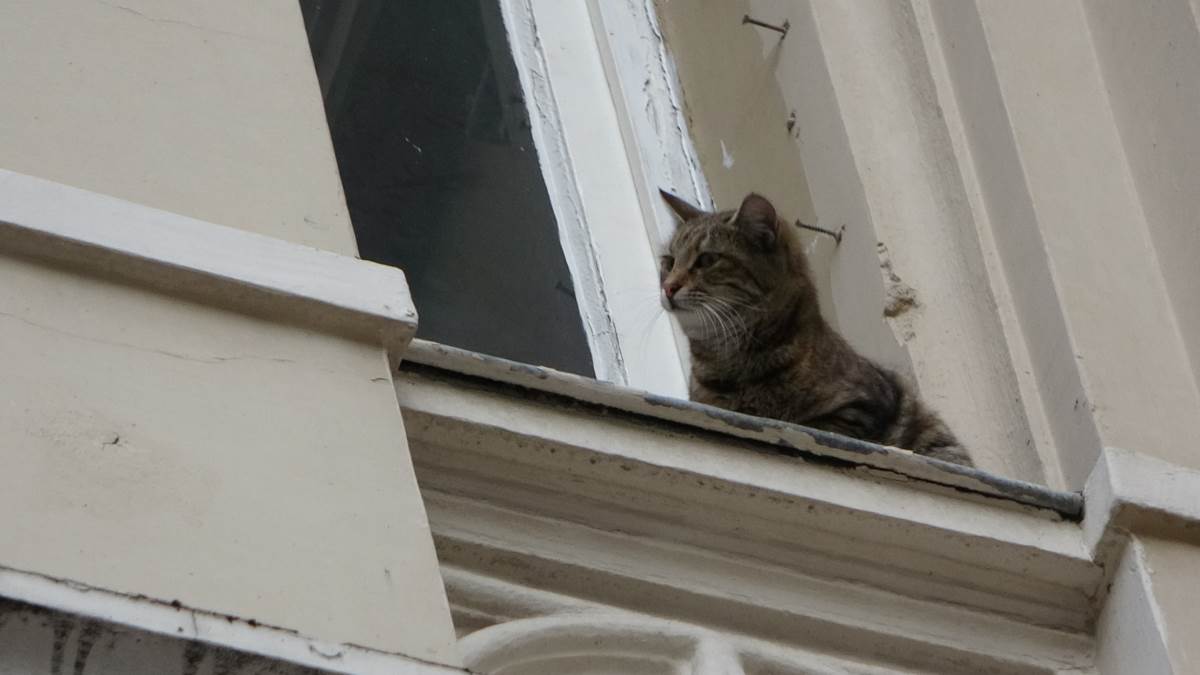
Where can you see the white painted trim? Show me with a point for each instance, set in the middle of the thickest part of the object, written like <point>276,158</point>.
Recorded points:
<point>958,133</point>
<point>788,437</point>
<point>646,87</point>
<point>515,646</point>
<point>543,505</point>
<point>1145,581</point>
<point>1130,491</point>
<point>558,172</point>
<point>1131,633</point>
<point>222,266</point>
<point>589,567</point>
<point>493,601</point>
<point>179,621</point>
<point>577,129</point>
<point>670,483</point>
<point>650,107</point>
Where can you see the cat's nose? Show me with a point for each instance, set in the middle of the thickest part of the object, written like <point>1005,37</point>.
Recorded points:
<point>669,291</point>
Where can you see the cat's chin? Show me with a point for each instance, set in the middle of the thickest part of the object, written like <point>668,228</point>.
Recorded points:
<point>692,323</point>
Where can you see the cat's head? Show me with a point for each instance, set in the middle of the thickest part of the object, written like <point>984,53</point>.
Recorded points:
<point>723,273</point>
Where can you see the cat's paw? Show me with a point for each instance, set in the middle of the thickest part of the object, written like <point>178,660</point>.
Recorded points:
<point>950,453</point>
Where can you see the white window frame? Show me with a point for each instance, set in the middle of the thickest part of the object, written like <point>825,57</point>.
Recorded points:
<point>607,122</point>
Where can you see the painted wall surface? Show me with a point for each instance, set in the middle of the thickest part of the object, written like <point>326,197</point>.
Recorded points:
<point>152,446</point>
<point>1128,630</point>
<point>1173,571</point>
<point>174,450</point>
<point>1149,54</point>
<point>209,109</point>
<point>1111,360</point>
<point>1149,621</point>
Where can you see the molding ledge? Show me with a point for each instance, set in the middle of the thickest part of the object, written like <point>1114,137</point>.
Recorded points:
<point>624,640</point>
<point>1131,492</point>
<point>275,647</point>
<point>785,437</point>
<point>561,485</point>
<point>552,494</point>
<point>221,266</point>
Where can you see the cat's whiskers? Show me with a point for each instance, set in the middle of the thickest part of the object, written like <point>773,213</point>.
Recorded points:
<point>712,328</point>
<point>738,306</point>
<point>708,324</point>
<point>728,330</point>
<point>647,326</point>
<point>645,311</point>
<point>733,325</point>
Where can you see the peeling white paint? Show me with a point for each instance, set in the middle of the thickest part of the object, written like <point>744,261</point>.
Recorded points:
<point>810,248</point>
<point>558,170</point>
<point>726,156</point>
<point>645,87</point>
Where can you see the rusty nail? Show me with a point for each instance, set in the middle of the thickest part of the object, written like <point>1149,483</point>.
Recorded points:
<point>837,236</point>
<point>782,30</point>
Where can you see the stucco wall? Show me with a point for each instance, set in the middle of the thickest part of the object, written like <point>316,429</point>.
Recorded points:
<point>177,450</point>
<point>1149,54</point>
<point>1064,180</point>
<point>209,109</point>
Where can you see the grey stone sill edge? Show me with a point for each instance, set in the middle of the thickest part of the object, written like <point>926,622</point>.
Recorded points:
<point>783,436</point>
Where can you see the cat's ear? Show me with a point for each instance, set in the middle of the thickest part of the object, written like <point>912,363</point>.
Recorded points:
<point>756,217</point>
<point>681,207</point>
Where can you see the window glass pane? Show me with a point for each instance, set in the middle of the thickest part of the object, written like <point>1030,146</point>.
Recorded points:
<point>441,177</point>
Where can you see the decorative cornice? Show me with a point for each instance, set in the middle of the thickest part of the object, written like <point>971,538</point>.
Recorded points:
<point>786,438</point>
<point>577,493</point>
<point>221,266</point>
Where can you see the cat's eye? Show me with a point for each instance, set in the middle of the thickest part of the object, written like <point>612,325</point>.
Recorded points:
<point>666,263</point>
<point>704,260</point>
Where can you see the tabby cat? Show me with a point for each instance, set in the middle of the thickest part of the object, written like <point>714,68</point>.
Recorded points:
<point>740,287</point>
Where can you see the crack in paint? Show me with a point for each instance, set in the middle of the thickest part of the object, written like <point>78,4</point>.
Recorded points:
<point>141,348</point>
<point>179,22</point>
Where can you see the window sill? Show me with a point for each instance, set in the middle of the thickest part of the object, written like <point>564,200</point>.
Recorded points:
<point>560,472</point>
<point>771,436</point>
<point>222,266</point>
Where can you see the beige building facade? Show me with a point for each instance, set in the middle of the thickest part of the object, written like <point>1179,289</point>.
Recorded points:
<point>222,450</point>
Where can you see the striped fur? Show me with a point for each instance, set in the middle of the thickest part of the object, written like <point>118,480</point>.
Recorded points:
<point>739,285</point>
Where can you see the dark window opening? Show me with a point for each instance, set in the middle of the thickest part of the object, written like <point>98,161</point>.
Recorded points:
<point>441,177</point>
